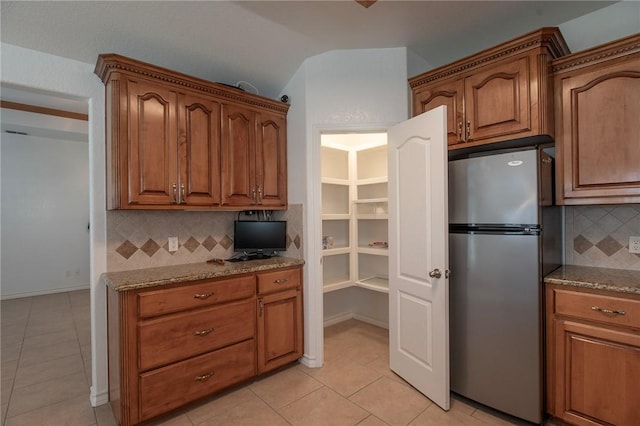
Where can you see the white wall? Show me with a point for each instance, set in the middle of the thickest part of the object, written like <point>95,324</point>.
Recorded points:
<point>39,71</point>
<point>45,212</point>
<point>344,90</point>
<point>602,26</point>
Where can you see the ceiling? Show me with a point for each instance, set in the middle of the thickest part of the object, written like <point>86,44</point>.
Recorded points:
<point>265,42</point>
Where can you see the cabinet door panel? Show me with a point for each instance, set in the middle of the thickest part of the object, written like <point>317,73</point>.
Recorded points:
<point>199,150</point>
<point>238,156</point>
<point>271,160</point>
<point>597,374</point>
<point>601,134</point>
<point>152,159</point>
<point>450,94</point>
<point>497,101</point>
<point>279,329</point>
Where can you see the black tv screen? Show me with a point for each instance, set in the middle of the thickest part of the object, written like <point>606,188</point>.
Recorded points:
<point>260,236</point>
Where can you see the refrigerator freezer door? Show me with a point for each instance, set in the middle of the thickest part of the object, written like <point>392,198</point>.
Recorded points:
<point>500,188</point>
<point>495,322</point>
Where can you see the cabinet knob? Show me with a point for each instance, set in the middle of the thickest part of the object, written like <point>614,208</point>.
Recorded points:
<point>281,280</point>
<point>460,131</point>
<point>174,200</point>
<point>183,199</point>
<point>468,130</point>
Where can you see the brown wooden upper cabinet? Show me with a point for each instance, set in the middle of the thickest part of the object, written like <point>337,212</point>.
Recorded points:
<point>598,124</point>
<point>254,155</point>
<point>496,95</point>
<point>177,142</point>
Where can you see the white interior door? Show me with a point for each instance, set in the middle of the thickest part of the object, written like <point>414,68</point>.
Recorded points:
<point>419,254</point>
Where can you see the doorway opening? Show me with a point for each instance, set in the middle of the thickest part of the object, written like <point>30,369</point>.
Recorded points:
<point>354,230</point>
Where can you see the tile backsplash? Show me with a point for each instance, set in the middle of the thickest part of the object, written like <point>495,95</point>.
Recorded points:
<point>599,235</point>
<point>139,239</point>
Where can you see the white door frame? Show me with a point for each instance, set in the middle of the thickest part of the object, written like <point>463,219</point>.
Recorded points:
<point>313,235</point>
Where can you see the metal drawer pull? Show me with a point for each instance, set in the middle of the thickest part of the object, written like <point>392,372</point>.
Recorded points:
<point>204,377</point>
<point>608,311</point>
<point>203,332</point>
<point>203,296</point>
<point>281,280</point>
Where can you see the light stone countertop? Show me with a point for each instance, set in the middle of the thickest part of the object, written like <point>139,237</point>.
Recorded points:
<point>164,275</point>
<point>615,280</point>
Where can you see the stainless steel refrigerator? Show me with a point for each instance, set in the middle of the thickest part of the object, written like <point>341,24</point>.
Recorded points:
<point>504,236</point>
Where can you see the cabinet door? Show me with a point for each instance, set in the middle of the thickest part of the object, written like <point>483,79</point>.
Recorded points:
<point>238,160</point>
<point>271,160</point>
<point>597,374</point>
<point>497,101</point>
<point>199,150</point>
<point>450,94</point>
<point>599,134</point>
<point>152,154</point>
<point>280,331</point>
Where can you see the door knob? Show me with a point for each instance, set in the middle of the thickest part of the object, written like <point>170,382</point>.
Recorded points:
<point>435,273</point>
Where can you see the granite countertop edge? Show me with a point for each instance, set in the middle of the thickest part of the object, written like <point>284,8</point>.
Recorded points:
<point>166,275</point>
<point>607,279</point>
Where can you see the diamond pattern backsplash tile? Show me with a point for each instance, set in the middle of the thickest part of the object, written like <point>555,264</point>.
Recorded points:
<point>139,239</point>
<point>599,235</point>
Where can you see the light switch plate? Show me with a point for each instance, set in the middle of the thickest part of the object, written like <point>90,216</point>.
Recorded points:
<point>173,244</point>
<point>634,244</point>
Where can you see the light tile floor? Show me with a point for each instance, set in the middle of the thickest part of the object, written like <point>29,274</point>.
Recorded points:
<point>46,376</point>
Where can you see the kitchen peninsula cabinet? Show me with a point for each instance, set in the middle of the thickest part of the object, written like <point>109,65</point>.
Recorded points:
<point>496,95</point>
<point>593,356</point>
<point>597,128</point>
<point>176,142</point>
<point>173,340</point>
<point>254,158</point>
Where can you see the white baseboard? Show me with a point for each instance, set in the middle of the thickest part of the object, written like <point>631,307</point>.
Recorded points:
<point>371,321</point>
<point>338,319</point>
<point>98,398</point>
<point>44,292</point>
<point>309,361</point>
<point>351,315</point>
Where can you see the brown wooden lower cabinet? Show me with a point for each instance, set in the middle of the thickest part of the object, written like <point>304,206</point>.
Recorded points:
<point>170,345</point>
<point>593,357</point>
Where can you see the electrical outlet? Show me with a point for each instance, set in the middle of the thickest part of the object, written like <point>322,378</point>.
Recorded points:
<point>634,245</point>
<point>173,244</point>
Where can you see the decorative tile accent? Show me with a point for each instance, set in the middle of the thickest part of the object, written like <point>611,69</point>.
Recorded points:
<point>609,245</point>
<point>135,238</point>
<point>126,249</point>
<point>192,244</point>
<point>150,247</point>
<point>226,242</point>
<point>599,235</point>
<point>209,243</point>
<point>581,244</point>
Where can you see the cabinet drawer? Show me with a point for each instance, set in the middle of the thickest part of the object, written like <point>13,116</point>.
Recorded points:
<point>203,293</point>
<point>280,280</point>
<point>607,309</point>
<point>179,336</point>
<point>167,388</point>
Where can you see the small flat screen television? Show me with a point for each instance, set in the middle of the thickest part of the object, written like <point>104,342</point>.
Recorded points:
<point>259,238</point>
